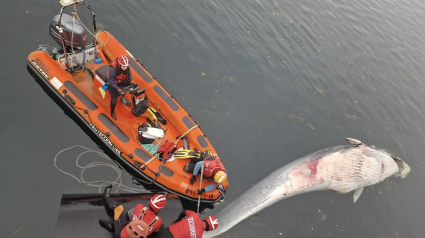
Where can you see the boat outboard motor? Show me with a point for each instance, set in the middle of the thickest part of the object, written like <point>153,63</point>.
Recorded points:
<point>80,35</point>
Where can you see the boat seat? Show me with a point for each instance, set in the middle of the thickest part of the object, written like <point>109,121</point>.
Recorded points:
<point>189,167</point>
<point>102,72</point>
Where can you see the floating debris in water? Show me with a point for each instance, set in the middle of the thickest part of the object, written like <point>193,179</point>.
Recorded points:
<point>229,78</point>
<point>299,117</point>
<point>322,216</point>
<point>319,90</point>
<point>48,49</point>
<point>100,26</point>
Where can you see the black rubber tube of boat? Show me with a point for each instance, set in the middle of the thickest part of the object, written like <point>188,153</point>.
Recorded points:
<point>72,103</point>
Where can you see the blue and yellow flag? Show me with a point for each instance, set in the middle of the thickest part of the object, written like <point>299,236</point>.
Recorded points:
<point>103,89</point>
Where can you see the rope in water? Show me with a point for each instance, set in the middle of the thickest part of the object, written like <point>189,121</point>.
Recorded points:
<point>117,183</point>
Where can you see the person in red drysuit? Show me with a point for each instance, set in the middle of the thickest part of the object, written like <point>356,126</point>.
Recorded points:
<point>188,225</point>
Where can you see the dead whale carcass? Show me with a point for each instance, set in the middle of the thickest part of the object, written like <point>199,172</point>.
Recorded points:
<point>339,168</point>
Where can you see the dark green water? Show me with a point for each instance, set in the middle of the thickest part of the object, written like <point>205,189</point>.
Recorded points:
<point>269,82</point>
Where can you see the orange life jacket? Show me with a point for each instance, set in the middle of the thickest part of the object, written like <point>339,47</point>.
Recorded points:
<point>121,78</point>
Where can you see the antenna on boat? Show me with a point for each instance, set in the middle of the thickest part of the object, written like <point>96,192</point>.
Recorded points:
<point>72,37</point>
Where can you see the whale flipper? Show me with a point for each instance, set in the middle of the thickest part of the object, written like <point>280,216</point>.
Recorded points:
<point>357,194</point>
<point>353,141</point>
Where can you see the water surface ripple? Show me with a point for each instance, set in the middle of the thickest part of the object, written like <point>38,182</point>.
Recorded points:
<point>269,82</point>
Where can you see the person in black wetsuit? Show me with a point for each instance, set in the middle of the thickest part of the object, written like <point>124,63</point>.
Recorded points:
<point>119,74</point>
<point>121,218</point>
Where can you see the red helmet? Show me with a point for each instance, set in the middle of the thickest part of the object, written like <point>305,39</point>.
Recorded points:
<point>157,202</point>
<point>212,223</point>
<point>137,229</point>
<point>123,61</point>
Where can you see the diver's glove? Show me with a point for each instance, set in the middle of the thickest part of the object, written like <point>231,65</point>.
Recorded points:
<point>201,191</point>
<point>120,92</point>
<point>193,179</point>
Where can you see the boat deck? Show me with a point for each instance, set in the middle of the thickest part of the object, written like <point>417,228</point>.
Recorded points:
<point>127,122</point>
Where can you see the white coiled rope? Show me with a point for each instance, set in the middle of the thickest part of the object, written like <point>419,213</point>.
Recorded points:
<point>117,183</point>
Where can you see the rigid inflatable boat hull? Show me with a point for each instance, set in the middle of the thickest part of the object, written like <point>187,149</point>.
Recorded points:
<point>79,98</point>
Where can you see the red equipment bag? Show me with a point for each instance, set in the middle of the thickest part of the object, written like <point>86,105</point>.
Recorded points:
<point>166,150</point>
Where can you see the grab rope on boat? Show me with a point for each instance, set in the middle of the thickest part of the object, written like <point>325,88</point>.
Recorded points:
<point>134,136</point>
<point>98,183</point>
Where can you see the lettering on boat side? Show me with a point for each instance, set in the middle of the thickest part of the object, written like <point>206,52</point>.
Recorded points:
<point>41,67</point>
<point>105,138</point>
<point>195,193</point>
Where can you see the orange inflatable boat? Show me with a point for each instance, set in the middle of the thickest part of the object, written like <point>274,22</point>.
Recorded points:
<point>76,76</point>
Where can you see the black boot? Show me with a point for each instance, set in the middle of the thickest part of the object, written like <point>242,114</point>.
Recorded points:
<point>107,225</point>
<point>107,191</point>
<point>110,203</point>
<point>113,104</point>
